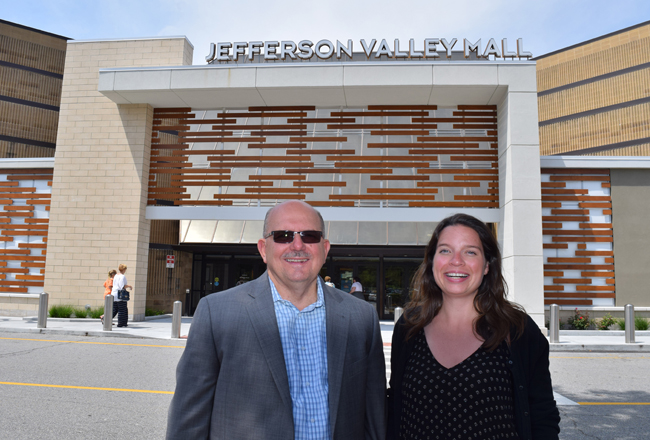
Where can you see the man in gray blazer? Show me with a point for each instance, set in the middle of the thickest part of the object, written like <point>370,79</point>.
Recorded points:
<point>284,356</point>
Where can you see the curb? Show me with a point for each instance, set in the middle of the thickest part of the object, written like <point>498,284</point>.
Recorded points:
<point>620,333</point>
<point>146,318</point>
<point>113,334</point>
<point>600,348</point>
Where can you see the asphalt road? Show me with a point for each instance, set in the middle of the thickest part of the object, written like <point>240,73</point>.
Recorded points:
<point>66,387</point>
<point>138,372</point>
<point>613,391</point>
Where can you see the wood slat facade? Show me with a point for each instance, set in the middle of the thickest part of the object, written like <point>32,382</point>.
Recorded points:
<point>23,228</point>
<point>210,163</point>
<point>578,236</point>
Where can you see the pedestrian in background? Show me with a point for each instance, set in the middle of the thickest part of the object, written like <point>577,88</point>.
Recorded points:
<point>466,362</point>
<point>120,307</point>
<point>328,281</point>
<point>108,287</point>
<point>357,288</point>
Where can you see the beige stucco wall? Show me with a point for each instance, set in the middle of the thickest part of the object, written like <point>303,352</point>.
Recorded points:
<point>99,190</point>
<point>631,211</point>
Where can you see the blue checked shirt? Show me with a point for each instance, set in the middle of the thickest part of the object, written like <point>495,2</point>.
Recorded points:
<point>304,343</point>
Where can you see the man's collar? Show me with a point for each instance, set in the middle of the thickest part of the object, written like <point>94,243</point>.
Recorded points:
<point>320,301</point>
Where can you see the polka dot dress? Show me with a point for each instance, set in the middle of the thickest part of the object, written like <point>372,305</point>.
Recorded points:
<point>472,400</point>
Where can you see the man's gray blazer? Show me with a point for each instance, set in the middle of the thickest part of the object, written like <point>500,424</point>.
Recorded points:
<point>231,382</point>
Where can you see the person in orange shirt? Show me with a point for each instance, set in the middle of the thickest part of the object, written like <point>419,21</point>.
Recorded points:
<point>108,286</point>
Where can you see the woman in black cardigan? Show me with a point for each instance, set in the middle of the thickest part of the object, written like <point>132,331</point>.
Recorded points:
<point>466,363</point>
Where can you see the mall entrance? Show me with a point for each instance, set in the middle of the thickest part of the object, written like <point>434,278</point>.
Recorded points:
<point>385,272</point>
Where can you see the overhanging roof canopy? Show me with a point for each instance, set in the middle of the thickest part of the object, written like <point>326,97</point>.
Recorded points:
<point>320,84</point>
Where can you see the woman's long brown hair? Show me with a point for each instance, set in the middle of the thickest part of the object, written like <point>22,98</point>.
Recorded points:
<point>496,315</point>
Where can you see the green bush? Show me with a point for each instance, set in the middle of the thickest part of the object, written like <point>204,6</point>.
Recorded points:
<point>80,312</point>
<point>640,323</point>
<point>61,311</point>
<point>606,322</point>
<point>579,321</point>
<point>153,312</point>
<point>97,313</point>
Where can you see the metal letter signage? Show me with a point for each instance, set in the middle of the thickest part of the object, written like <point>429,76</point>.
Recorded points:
<point>261,51</point>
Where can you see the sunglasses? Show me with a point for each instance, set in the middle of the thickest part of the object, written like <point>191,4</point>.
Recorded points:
<point>307,237</point>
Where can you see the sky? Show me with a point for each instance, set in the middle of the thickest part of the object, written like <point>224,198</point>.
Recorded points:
<point>545,25</point>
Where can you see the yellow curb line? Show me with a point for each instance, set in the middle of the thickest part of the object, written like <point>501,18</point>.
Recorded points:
<point>85,388</point>
<point>99,343</point>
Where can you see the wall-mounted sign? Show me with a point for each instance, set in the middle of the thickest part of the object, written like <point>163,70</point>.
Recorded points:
<point>171,259</point>
<point>324,49</point>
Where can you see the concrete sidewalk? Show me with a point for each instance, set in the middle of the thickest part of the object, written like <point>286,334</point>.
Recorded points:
<point>574,340</point>
<point>601,341</point>
<point>160,327</point>
<point>153,327</point>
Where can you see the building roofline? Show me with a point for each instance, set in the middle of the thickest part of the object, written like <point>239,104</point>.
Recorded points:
<point>34,30</point>
<point>103,40</point>
<point>633,162</point>
<point>602,37</point>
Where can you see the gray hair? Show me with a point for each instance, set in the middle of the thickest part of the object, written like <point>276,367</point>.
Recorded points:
<point>265,230</point>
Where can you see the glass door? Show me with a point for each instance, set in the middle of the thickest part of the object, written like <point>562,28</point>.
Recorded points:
<point>343,269</point>
<point>394,291</point>
<point>245,269</point>
<point>368,275</point>
<point>398,275</point>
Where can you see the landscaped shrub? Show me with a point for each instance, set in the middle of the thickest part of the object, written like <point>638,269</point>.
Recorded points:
<point>61,311</point>
<point>606,322</point>
<point>97,313</point>
<point>153,312</point>
<point>80,312</point>
<point>640,323</point>
<point>580,321</point>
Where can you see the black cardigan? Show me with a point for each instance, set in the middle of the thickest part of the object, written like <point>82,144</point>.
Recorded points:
<point>536,414</point>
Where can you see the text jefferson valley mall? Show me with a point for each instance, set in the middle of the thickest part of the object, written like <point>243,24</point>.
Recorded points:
<point>325,49</point>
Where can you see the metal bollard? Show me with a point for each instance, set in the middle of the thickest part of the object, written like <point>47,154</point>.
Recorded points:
<point>554,324</point>
<point>176,320</point>
<point>398,313</point>
<point>629,324</point>
<point>43,299</point>
<point>108,313</point>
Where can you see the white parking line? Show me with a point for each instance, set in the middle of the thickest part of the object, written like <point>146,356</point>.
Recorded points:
<point>563,401</point>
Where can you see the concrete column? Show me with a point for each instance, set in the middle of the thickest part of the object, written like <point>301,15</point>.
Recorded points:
<point>101,173</point>
<point>520,229</point>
